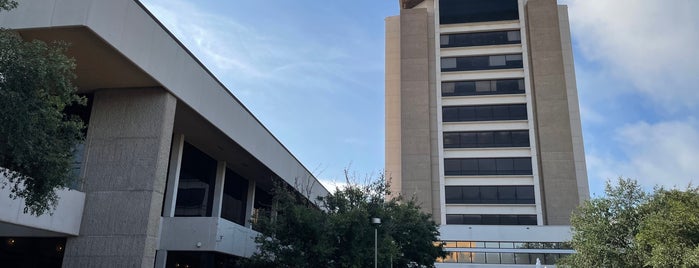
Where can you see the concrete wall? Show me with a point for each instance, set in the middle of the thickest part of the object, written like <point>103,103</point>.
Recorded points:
<point>393,105</point>
<point>126,160</point>
<point>552,113</point>
<point>65,220</point>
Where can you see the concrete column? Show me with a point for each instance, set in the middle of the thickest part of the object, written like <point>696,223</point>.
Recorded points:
<point>160,259</point>
<point>127,152</point>
<point>218,189</point>
<point>173,175</point>
<point>250,203</point>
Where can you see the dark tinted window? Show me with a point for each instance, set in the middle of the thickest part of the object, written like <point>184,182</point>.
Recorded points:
<point>195,189</point>
<point>235,194</point>
<point>486,139</point>
<point>480,39</point>
<point>491,219</point>
<point>484,113</point>
<point>483,87</point>
<point>465,11</point>
<point>487,166</point>
<point>474,63</point>
<point>489,194</point>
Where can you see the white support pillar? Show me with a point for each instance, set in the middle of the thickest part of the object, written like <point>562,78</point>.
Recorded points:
<point>250,203</point>
<point>173,175</point>
<point>218,189</point>
<point>160,258</point>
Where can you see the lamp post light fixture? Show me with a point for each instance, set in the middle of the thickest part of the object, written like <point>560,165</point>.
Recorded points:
<point>376,222</point>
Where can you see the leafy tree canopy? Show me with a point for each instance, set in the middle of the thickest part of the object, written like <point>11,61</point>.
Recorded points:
<point>336,231</point>
<point>631,228</point>
<point>36,137</point>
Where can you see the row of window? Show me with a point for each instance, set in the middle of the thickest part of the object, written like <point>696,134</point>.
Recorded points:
<point>496,112</point>
<point>476,219</point>
<point>480,39</point>
<point>486,139</point>
<point>475,63</point>
<point>502,257</point>
<point>517,245</point>
<point>489,194</point>
<point>487,166</point>
<point>483,87</point>
<point>466,11</point>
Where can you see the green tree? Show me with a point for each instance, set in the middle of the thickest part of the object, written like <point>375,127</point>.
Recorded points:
<point>604,228</point>
<point>669,235</point>
<point>336,231</point>
<point>36,137</point>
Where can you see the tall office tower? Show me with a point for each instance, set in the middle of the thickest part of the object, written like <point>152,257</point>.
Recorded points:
<point>483,125</point>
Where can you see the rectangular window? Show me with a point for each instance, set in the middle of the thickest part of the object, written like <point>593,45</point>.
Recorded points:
<point>497,112</point>
<point>489,195</point>
<point>235,194</point>
<point>487,166</point>
<point>467,11</point>
<point>480,39</point>
<point>490,219</point>
<point>487,139</point>
<point>475,63</point>
<point>483,87</point>
<point>195,190</point>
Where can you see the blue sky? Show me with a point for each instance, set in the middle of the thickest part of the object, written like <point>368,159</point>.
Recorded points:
<point>313,72</point>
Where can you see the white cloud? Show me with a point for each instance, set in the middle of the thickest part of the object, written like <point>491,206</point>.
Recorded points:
<point>651,44</point>
<point>665,153</point>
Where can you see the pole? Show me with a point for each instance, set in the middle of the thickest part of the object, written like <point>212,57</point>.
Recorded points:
<point>376,247</point>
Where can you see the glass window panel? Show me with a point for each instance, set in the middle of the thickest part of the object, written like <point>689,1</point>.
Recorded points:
<point>490,219</point>
<point>482,86</point>
<point>509,220</point>
<point>507,258</point>
<point>453,194</point>
<point>501,112</point>
<point>451,140</point>
<point>523,166</point>
<point>459,11</point>
<point>518,112</point>
<point>489,193</point>
<point>195,191</point>
<point>479,244</point>
<point>506,245</point>
<point>515,57</point>
<point>465,257</point>
<point>470,193</point>
<point>478,257</point>
<point>492,245</point>
<point>484,113</point>
<point>520,82</point>
<point>469,167</point>
<point>449,244</point>
<point>502,139</point>
<point>452,167</point>
<point>235,194</point>
<point>485,139</point>
<point>492,257</point>
<point>469,140</point>
<point>467,114</point>
<point>551,258</point>
<point>454,219</point>
<point>486,166</point>
<point>527,219</point>
<point>506,195</point>
<point>522,258</point>
<point>498,60</point>
<point>534,256</point>
<point>448,63</point>
<point>444,39</point>
<point>466,88</point>
<point>520,138</point>
<point>451,257</point>
<point>465,244</point>
<point>505,166</point>
<point>450,114</point>
<point>519,245</point>
<point>513,36</point>
<point>525,192</point>
<point>473,219</point>
<point>448,88</point>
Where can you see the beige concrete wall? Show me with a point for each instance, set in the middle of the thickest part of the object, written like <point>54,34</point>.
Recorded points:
<point>127,151</point>
<point>559,183</point>
<point>392,98</point>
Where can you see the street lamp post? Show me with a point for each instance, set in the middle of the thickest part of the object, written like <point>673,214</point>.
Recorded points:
<point>376,222</point>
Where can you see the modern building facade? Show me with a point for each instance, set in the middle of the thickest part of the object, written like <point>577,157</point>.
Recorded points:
<point>173,168</point>
<point>483,125</point>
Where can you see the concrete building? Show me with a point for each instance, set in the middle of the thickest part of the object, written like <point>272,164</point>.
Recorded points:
<point>483,126</point>
<point>173,165</point>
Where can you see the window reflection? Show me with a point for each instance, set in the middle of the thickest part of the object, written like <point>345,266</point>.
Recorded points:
<point>235,194</point>
<point>195,190</point>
